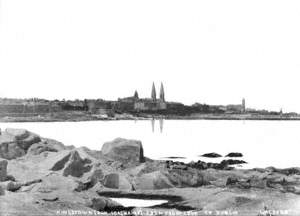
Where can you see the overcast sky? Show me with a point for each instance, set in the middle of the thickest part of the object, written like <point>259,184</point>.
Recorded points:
<point>214,52</point>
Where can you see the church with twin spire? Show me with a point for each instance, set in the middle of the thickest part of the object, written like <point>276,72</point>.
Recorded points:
<point>153,103</point>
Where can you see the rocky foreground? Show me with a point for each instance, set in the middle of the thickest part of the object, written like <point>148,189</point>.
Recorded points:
<point>40,176</point>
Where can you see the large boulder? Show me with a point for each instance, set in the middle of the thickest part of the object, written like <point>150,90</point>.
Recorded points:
<point>72,164</point>
<point>117,181</point>
<point>9,148</point>
<point>3,170</point>
<point>23,137</point>
<point>124,150</point>
<point>77,166</point>
<point>14,143</point>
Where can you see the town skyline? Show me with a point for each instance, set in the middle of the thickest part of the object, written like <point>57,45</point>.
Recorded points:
<point>201,52</point>
<point>152,96</point>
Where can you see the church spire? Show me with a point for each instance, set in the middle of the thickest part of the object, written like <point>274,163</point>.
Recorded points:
<point>136,95</point>
<point>162,92</point>
<point>153,92</point>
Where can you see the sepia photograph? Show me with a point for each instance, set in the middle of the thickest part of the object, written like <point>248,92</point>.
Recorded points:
<point>149,108</point>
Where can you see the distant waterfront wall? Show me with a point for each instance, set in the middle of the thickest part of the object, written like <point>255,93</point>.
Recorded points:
<point>19,108</point>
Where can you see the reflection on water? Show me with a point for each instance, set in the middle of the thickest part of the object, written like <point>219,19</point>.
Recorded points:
<point>153,125</point>
<point>161,125</point>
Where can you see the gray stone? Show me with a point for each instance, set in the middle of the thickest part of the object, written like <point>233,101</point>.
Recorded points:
<point>126,151</point>
<point>77,166</point>
<point>3,170</point>
<point>11,151</point>
<point>19,134</point>
<point>15,142</point>
<point>28,141</point>
<point>117,181</point>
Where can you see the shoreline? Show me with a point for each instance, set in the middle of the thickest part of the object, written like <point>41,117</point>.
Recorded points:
<point>82,118</point>
<point>44,174</point>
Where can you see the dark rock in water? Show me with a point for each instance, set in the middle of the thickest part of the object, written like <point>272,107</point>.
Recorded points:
<point>129,152</point>
<point>232,162</point>
<point>211,155</point>
<point>175,157</point>
<point>234,154</point>
<point>3,170</point>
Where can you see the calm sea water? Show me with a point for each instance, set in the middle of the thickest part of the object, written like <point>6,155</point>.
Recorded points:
<point>263,143</point>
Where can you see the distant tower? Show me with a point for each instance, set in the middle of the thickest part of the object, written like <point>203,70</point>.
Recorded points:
<point>162,92</point>
<point>136,95</point>
<point>243,105</point>
<point>153,92</point>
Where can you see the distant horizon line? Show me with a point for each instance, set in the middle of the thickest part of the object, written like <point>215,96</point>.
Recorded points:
<point>77,99</point>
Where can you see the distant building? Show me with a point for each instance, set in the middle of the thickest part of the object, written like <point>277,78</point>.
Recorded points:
<point>152,104</point>
<point>153,92</point>
<point>136,95</point>
<point>135,103</point>
<point>243,105</point>
<point>162,93</point>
